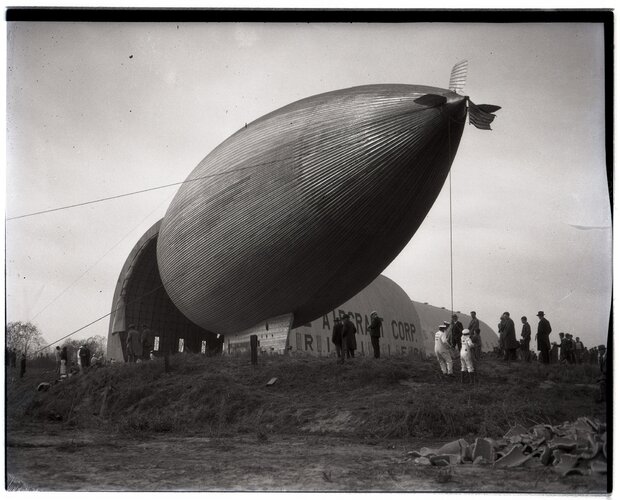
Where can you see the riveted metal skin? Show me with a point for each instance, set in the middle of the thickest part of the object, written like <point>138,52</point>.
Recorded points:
<point>302,208</point>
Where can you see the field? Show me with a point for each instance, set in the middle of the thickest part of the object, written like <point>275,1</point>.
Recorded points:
<point>213,423</point>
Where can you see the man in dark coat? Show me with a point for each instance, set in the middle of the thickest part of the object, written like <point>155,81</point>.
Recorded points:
<point>348,336</point>
<point>337,339</point>
<point>375,332</point>
<point>457,332</point>
<point>542,337</point>
<point>510,338</point>
<point>526,337</point>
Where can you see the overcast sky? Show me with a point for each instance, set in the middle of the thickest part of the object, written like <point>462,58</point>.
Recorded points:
<point>97,110</point>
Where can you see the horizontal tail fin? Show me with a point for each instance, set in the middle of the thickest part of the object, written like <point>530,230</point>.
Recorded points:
<point>481,116</point>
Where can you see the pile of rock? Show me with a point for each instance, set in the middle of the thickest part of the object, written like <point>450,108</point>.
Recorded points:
<point>578,447</point>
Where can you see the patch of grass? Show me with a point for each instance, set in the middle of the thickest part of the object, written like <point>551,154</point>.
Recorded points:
<point>397,397</point>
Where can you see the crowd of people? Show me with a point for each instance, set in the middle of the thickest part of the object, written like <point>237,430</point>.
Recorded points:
<point>452,341</point>
<point>343,336</point>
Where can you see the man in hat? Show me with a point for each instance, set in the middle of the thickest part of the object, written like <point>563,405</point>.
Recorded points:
<point>467,356</point>
<point>442,350</point>
<point>348,336</point>
<point>375,332</point>
<point>542,337</point>
<point>337,339</point>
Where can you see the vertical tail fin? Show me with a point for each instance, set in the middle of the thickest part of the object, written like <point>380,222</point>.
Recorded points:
<point>458,77</point>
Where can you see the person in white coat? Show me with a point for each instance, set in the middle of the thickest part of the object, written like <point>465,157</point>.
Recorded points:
<point>467,356</point>
<point>442,350</point>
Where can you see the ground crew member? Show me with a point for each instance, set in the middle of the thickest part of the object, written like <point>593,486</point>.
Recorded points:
<point>375,332</point>
<point>349,343</point>
<point>337,339</point>
<point>467,356</point>
<point>542,337</point>
<point>57,355</point>
<point>133,345</point>
<point>526,337</point>
<point>442,350</point>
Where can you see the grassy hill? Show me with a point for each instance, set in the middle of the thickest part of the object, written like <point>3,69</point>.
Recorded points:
<point>365,398</point>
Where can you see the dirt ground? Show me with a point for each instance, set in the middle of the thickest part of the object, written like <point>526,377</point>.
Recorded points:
<point>57,459</point>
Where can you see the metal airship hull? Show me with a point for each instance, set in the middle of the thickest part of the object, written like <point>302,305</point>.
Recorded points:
<point>302,208</point>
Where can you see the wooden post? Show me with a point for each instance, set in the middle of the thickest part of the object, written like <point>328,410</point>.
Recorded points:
<point>254,348</point>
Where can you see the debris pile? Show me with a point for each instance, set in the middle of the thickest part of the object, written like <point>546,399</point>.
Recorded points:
<point>578,447</point>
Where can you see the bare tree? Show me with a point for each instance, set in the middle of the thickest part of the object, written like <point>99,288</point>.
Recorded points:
<point>23,337</point>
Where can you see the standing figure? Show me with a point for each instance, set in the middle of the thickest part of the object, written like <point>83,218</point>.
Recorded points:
<point>133,345</point>
<point>467,357</point>
<point>337,339</point>
<point>563,348</point>
<point>146,340</point>
<point>22,366</point>
<point>58,360</point>
<point>375,332</point>
<point>579,350</point>
<point>477,341</point>
<point>501,327</point>
<point>83,358</point>
<point>510,338</point>
<point>526,337</point>
<point>348,336</point>
<point>570,349</point>
<point>442,350</point>
<point>474,324</point>
<point>542,337</point>
<point>64,362</point>
<point>457,331</point>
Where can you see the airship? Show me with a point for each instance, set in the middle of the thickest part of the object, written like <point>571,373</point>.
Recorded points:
<point>301,209</point>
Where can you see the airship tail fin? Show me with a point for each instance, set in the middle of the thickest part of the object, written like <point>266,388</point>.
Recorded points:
<point>458,77</point>
<point>481,116</point>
